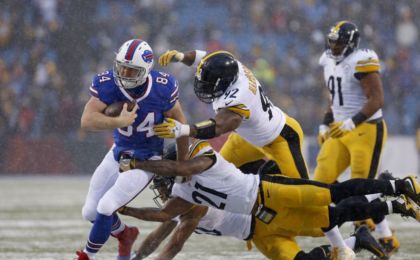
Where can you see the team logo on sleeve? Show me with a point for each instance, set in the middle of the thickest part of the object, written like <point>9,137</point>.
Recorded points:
<point>147,56</point>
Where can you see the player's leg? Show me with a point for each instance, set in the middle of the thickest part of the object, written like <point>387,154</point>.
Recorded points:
<point>128,185</point>
<point>286,150</point>
<point>365,145</point>
<point>102,179</point>
<point>280,191</point>
<point>239,152</point>
<point>332,160</point>
<point>277,247</point>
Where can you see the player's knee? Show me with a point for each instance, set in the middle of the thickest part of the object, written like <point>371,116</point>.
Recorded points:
<point>88,213</point>
<point>107,208</point>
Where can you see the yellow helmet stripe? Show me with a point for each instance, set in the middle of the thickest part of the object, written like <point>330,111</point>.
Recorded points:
<point>338,25</point>
<point>208,56</point>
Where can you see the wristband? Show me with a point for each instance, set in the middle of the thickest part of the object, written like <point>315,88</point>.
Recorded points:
<point>359,118</point>
<point>328,118</point>
<point>206,129</point>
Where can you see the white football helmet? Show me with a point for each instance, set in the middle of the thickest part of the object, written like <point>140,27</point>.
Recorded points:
<point>133,63</point>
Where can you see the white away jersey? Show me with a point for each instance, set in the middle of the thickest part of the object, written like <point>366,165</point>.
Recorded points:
<point>222,186</point>
<point>262,121</point>
<point>223,223</point>
<point>345,91</point>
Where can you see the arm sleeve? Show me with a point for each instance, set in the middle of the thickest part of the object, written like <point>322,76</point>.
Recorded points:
<point>368,62</point>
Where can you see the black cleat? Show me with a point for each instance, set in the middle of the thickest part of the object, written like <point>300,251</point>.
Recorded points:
<point>365,240</point>
<point>412,188</point>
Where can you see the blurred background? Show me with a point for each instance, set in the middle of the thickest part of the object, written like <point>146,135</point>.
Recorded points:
<point>51,49</point>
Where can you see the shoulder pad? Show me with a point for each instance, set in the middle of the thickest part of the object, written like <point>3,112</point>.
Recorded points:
<point>366,61</point>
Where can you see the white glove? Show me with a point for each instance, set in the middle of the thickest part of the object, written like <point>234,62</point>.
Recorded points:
<point>171,128</point>
<point>323,134</point>
<point>338,129</point>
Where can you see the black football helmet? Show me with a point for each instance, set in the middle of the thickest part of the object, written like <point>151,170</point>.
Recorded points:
<point>342,40</point>
<point>215,73</point>
<point>162,185</point>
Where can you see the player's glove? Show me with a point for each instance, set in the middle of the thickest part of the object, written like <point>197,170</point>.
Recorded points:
<point>323,134</point>
<point>339,129</point>
<point>171,128</point>
<point>170,56</point>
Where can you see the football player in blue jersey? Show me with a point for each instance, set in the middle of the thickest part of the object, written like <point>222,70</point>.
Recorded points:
<point>156,96</point>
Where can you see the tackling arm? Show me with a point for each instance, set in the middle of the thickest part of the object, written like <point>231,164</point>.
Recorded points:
<point>224,121</point>
<point>182,142</point>
<point>154,239</point>
<point>173,168</point>
<point>188,224</point>
<point>172,208</point>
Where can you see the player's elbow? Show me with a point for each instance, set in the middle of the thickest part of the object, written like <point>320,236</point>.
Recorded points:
<point>85,123</point>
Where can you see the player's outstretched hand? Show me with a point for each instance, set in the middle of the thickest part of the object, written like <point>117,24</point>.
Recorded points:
<point>170,56</point>
<point>127,117</point>
<point>170,128</point>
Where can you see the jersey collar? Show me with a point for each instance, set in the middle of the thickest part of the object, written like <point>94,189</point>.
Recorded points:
<point>146,93</point>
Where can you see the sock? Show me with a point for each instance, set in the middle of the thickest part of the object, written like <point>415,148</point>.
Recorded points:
<point>335,238</point>
<point>382,229</point>
<point>117,225</point>
<point>351,242</point>
<point>99,233</point>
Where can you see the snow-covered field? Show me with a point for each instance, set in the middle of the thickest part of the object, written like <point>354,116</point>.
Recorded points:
<point>40,219</point>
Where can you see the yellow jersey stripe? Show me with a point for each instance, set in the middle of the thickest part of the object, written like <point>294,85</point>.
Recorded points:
<point>367,61</point>
<point>208,56</point>
<point>241,110</point>
<point>197,147</point>
<point>369,68</point>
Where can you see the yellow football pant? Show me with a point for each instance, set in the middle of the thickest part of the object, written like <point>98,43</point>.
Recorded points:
<point>290,199</point>
<point>286,150</point>
<point>360,149</point>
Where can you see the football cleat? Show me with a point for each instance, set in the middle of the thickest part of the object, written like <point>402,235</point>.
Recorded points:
<point>390,244</point>
<point>342,253</point>
<point>365,240</point>
<point>412,188</point>
<point>367,222</point>
<point>82,255</point>
<point>126,240</point>
<point>407,207</point>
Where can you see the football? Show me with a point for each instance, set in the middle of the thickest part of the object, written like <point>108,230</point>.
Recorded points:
<point>114,109</point>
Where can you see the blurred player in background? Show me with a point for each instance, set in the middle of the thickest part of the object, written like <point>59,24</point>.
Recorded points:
<point>353,132</point>
<point>156,96</point>
<point>260,128</point>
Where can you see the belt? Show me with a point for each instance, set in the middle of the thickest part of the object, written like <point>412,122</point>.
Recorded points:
<point>375,121</point>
